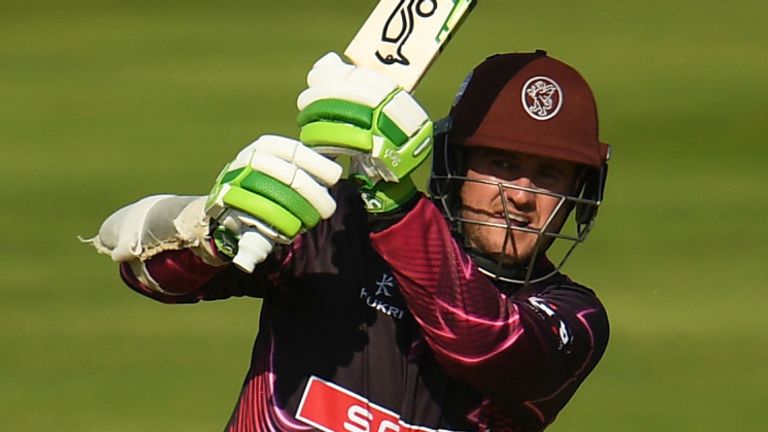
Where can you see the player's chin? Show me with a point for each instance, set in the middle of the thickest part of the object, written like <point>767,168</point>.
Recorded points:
<point>516,250</point>
<point>506,246</point>
<point>509,252</point>
<point>505,259</point>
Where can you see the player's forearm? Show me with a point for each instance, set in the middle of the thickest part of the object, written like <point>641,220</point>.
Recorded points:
<point>176,276</point>
<point>182,277</point>
<point>512,349</point>
<point>165,252</point>
<point>463,315</point>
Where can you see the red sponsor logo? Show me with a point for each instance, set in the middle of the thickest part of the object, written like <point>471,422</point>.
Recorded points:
<point>332,408</point>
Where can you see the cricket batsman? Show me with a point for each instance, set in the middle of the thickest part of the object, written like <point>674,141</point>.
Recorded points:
<point>385,309</point>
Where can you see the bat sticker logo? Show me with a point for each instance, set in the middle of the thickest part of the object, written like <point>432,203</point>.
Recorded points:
<point>399,27</point>
<point>542,98</point>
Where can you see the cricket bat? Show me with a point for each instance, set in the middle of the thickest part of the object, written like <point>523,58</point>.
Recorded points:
<point>402,38</point>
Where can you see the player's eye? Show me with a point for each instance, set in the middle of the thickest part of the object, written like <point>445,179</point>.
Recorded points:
<point>504,166</point>
<point>549,178</point>
<point>549,175</point>
<point>499,163</point>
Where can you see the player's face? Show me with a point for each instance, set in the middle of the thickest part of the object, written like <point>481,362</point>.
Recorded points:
<point>526,209</point>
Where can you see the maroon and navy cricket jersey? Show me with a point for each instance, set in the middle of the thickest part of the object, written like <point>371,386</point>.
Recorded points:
<point>396,330</point>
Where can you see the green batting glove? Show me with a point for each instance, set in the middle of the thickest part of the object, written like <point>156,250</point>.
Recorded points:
<point>272,191</point>
<point>384,197</point>
<point>358,112</point>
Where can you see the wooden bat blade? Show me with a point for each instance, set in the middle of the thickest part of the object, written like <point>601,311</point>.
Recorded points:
<point>401,38</point>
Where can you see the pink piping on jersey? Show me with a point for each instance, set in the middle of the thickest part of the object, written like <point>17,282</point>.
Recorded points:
<point>258,402</point>
<point>283,417</point>
<point>450,313</point>
<point>580,316</point>
<point>496,326</point>
<point>465,262</point>
<point>478,358</point>
<point>512,318</point>
<point>537,412</point>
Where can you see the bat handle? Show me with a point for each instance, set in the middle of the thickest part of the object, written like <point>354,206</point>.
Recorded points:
<point>252,249</point>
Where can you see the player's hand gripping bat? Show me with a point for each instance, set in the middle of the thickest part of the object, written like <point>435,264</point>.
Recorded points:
<point>400,40</point>
<point>365,110</point>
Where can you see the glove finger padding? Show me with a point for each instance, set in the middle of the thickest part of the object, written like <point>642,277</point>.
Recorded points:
<point>275,187</point>
<point>351,110</point>
<point>321,168</point>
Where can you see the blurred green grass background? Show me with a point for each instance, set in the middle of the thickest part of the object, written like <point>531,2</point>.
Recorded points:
<point>103,102</point>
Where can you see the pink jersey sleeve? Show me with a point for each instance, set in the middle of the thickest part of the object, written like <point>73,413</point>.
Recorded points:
<point>180,276</point>
<point>176,276</point>
<point>528,348</point>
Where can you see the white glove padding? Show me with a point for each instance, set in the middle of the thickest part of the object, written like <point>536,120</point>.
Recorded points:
<point>275,188</point>
<point>322,169</point>
<point>155,224</point>
<point>348,109</point>
<point>332,78</point>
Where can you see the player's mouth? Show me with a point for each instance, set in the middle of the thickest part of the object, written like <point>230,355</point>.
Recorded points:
<point>513,219</point>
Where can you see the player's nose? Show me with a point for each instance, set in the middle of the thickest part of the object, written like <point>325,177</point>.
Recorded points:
<point>521,195</point>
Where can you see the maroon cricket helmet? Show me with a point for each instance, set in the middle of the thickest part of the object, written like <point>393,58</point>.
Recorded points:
<point>528,103</point>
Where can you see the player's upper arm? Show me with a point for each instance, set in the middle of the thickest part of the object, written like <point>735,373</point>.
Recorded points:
<point>563,334</point>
